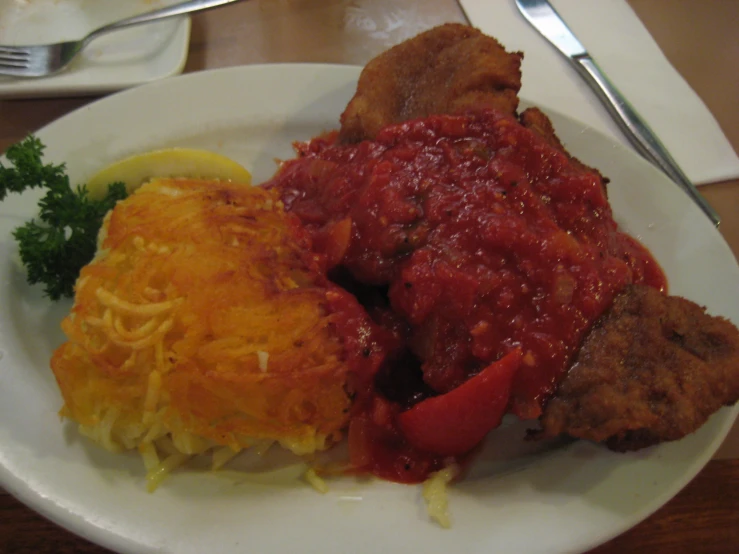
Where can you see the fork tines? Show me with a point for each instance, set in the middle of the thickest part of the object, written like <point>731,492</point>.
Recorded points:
<point>14,56</point>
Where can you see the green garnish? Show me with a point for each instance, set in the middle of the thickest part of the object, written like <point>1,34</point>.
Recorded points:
<point>63,239</point>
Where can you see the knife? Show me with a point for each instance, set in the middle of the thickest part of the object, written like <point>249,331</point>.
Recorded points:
<point>547,21</point>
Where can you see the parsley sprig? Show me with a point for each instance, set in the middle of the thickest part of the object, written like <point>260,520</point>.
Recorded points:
<point>55,246</point>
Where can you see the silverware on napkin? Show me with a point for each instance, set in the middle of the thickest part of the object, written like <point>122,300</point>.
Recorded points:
<point>547,21</point>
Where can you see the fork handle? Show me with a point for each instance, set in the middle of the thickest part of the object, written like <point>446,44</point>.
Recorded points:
<point>156,15</point>
<point>637,131</point>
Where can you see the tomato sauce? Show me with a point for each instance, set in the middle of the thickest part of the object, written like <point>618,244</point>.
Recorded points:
<point>484,239</point>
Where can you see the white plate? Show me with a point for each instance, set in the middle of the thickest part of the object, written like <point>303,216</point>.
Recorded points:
<point>113,62</point>
<point>568,499</point>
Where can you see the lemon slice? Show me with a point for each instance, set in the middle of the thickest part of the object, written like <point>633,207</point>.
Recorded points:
<point>170,162</point>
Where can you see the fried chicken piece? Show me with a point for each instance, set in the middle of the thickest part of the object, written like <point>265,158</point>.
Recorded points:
<point>449,69</point>
<point>653,369</point>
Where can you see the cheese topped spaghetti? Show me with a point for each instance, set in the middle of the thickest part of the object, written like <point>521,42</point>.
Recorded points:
<point>202,325</point>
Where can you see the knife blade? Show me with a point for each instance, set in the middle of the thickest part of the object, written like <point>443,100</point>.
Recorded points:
<point>545,19</point>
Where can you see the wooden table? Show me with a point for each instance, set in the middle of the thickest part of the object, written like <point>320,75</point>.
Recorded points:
<point>700,39</point>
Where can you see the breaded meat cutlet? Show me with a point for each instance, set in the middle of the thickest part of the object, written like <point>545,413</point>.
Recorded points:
<point>448,69</point>
<point>638,380</point>
<point>537,121</point>
<point>652,369</point>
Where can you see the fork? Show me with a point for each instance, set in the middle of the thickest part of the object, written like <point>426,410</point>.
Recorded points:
<point>41,60</point>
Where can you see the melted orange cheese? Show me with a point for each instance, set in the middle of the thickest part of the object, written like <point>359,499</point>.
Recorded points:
<point>202,321</point>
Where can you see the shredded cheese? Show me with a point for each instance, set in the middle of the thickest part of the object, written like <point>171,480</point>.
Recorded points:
<point>179,346</point>
<point>435,494</point>
<point>315,481</point>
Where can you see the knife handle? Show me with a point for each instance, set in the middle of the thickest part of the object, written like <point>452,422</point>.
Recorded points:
<point>637,130</point>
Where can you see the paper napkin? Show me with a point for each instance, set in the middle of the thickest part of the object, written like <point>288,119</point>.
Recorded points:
<point>624,49</point>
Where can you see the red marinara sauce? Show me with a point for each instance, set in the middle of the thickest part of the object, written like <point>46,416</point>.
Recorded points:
<point>487,238</point>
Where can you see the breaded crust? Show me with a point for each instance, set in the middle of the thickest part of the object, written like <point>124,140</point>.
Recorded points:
<point>538,122</point>
<point>449,69</point>
<point>653,369</point>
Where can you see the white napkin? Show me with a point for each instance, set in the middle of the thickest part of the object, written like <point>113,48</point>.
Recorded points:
<point>624,49</point>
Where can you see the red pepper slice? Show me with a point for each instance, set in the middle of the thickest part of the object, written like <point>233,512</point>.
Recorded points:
<point>455,422</point>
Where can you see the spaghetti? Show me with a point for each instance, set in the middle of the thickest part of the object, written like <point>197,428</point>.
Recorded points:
<point>202,326</point>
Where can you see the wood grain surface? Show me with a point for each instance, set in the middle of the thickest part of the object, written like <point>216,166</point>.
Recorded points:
<point>700,39</point>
